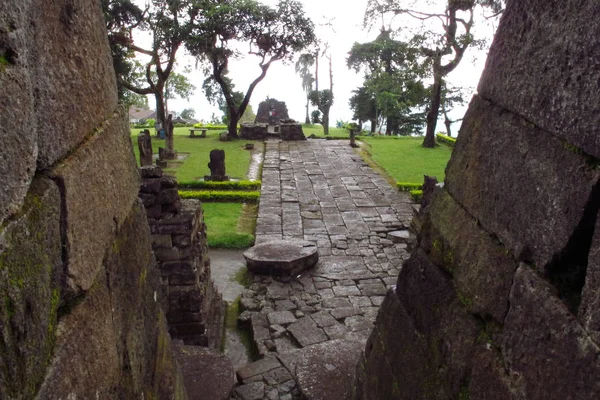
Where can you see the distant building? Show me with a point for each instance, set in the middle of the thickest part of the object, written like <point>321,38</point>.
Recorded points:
<point>138,115</point>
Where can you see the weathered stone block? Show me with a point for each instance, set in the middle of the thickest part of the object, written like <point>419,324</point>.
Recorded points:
<point>482,269</point>
<point>17,119</point>
<point>525,186</point>
<point>151,171</point>
<point>168,196</point>
<point>152,185</point>
<point>549,77</point>
<point>103,166</point>
<point>589,310</point>
<point>30,274</point>
<point>541,338</point>
<point>78,72</point>
<point>489,378</point>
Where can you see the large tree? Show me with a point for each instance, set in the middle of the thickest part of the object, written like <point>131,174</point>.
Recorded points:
<point>169,23</point>
<point>272,34</point>
<point>444,48</point>
<point>363,104</point>
<point>303,68</point>
<point>393,77</point>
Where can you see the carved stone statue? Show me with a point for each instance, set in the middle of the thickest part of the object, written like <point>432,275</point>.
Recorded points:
<point>217,166</point>
<point>145,147</point>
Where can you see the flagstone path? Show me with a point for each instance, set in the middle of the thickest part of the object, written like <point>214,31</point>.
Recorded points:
<point>311,330</point>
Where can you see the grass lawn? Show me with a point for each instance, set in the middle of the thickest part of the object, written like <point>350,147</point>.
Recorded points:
<point>195,166</point>
<point>405,160</point>
<point>225,227</point>
<point>317,130</point>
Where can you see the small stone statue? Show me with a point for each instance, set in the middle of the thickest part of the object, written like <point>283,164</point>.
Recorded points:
<point>145,147</point>
<point>217,166</point>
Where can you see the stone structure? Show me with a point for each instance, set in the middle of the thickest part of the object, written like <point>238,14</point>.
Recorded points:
<point>288,130</point>
<point>499,300</point>
<point>271,112</point>
<point>79,289</point>
<point>195,310</point>
<point>217,166</point>
<point>145,147</point>
<point>281,258</point>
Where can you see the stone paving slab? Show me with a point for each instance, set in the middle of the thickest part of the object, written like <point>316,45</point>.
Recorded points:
<point>322,192</point>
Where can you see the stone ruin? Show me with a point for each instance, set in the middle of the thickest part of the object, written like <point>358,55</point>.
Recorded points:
<point>194,308</point>
<point>145,147</point>
<point>80,291</point>
<point>272,121</point>
<point>499,299</point>
<point>271,112</point>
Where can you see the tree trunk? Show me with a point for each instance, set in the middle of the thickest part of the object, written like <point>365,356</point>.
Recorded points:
<point>325,122</point>
<point>232,124</point>
<point>448,123</point>
<point>434,110</point>
<point>373,126</point>
<point>389,126</point>
<point>160,110</point>
<point>307,119</point>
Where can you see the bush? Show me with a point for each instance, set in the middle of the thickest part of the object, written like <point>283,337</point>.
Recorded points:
<point>417,195</point>
<point>230,185</point>
<point>220,196</point>
<point>408,186</point>
<point>210,127</point>
<point>441,138</point>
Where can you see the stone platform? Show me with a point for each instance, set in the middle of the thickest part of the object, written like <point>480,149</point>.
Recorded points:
<point>323,193</point>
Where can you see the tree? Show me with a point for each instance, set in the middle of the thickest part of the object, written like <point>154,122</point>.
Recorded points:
<point>451,96</point>
<point>272,34</point>
<point>169,23</point>
<point>178,85</point>
<point>393,80</point>
<point>446,49</point>
<point>363,104</point>
<point>188,113</point>
<point>323,100</point>
<point>305,61</point>
<point>316,116</point>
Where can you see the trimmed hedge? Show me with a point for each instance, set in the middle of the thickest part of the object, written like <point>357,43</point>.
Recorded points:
<point>417,195</point>
<point>229,185</point>
<point>220,196</point>
<point>212,127</point>
<point>441,138</point>
<point>408,186</point>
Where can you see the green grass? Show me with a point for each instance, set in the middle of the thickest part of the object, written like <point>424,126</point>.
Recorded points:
<point>405,160</point>
<point>224,196</point>
<point>195,166</point>
<point>224,228</point>
<point>317,130</point>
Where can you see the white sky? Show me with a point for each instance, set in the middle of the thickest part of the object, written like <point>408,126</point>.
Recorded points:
<point>283,84</point>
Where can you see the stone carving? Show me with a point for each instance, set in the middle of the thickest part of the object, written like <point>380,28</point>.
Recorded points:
<point>217,166</point>
<point>145,147</point>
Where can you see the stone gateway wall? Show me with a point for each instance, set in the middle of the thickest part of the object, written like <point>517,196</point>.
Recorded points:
<point>499,300</point>
<point>80,312</point>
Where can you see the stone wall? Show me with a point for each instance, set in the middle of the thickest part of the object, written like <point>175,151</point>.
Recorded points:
<point>500,298</point>
<point>195,310</point>
<point>79,297</point>
<point>263,116</point>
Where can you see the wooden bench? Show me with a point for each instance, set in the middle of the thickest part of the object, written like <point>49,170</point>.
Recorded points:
<point>202,133</point>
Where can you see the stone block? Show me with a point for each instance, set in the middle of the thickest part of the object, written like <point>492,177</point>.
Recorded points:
<point>550,78</point>
<point>589,309</point>
<point>168,196</point>
<point>161,241</point>
<point>482,269</point>
<point>103,166</point>
<point>17,119</point>
<point>151,171</point>
<point>523,184</point>
<point>152,185</point>
<point>30,276</point>
<point>75,86</point>
<point>208,375</point>
<point>541,338</point>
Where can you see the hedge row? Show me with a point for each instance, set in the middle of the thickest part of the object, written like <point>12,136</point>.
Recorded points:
<point>211,127</point>
<point>441,138</point>
<point>230,185</point>
<point>220,196</point>
<point>417,195</point>
<point>408,186</point>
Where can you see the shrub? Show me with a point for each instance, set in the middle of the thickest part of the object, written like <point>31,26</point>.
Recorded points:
<point>220,196</point>
<point>408,186</point>
<point>230,185</point>
<point>441,138</point>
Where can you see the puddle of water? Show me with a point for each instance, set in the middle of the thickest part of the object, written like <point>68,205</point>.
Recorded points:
<point>255,163</point>
<point>224,264</point>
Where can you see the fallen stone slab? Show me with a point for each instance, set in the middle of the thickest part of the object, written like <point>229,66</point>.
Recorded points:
<point>402,236</point>
<point>281,258</point>
<point>326,370</point>
<point>259,367</point>
<point>207,374</point>
<point>306,332</point>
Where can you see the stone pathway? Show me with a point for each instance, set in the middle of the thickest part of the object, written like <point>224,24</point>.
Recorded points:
<point>311,330</point>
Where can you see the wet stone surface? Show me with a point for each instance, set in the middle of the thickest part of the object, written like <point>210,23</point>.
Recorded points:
<point>320,192</point>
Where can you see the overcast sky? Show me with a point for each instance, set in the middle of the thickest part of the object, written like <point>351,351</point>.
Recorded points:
<point>283,84</point>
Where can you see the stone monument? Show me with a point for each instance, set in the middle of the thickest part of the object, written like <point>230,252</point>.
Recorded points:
<point>145,147</point>
<point>217,166</point>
